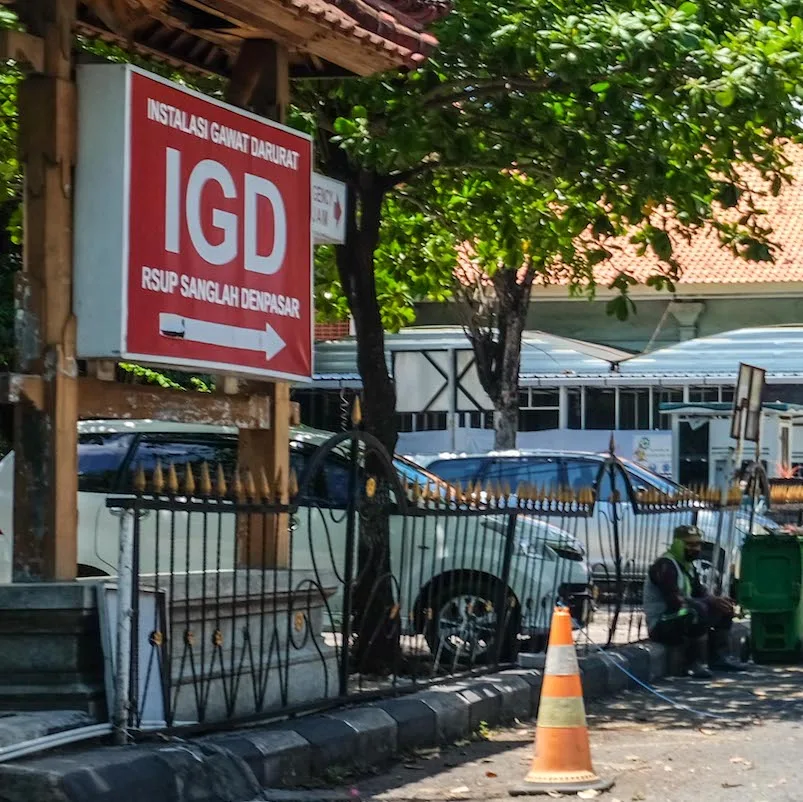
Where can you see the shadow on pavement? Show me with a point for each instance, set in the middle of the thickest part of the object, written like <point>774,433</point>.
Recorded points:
<point>766,693</point>
<point>430,763</point>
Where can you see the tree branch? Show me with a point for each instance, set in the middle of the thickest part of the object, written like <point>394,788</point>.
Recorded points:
<point>479,89</point>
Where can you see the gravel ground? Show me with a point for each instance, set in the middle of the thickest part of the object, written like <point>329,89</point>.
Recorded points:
<point>655,752</point>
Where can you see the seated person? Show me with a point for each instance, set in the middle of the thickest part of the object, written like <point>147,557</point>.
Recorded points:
<point>680,611</point>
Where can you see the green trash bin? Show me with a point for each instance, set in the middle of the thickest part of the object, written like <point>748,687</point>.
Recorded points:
<point>770,588</point>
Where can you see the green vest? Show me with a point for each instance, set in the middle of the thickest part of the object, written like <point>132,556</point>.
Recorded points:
<point>655,608</point>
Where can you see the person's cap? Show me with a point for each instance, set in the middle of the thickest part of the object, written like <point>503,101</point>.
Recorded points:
<point>688,532</point>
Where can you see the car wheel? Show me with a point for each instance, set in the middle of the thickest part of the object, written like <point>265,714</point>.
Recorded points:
<point>463,626</point>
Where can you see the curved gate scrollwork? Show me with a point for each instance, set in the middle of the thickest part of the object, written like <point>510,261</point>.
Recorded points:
<point>349,506</point>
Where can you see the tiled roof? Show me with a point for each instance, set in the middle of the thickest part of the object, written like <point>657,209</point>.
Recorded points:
<point>361,36</point>
<point>391,27</point>
<point>332,331</point>
<point>703,260</point>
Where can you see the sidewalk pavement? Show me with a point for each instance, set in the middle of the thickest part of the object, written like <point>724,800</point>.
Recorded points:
<point>238,766</point>
<point>655,752</point>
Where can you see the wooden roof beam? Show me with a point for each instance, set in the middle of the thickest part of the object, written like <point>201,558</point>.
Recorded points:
<point>260,78</point>
<point>26,50</point>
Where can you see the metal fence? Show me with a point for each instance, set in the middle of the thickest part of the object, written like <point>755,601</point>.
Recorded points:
<point>371,578</point>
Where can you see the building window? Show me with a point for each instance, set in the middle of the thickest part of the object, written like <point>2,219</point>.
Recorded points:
<point>431,421</point>
<point>726,394</point>
<point>537,420</point>
<point>479,419</point>
<point>575,412</point>
<point>600,408</point>
<point>421,421</point>
<point>634,409</point>
<point>544,399</point>
<point>703,395</point>
<point>325,409</point>
<point>539,410</point>
<point>664,395</point>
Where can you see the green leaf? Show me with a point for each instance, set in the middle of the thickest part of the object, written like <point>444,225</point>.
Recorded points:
<point>600,87</point>
<point>776,186</point>
<point>726,97</point>
<point>728,194</point>
<point>689,9</point>
<point>344,127</point>
<point>661,244</point>
<point>620,307</point>
<point>599,255</point>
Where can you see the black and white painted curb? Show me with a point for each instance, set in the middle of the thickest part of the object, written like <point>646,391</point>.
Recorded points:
<point>239,766</point>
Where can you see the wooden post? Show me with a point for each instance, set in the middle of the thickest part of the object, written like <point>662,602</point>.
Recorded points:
<point>260,80</point>
<point>45,437</point>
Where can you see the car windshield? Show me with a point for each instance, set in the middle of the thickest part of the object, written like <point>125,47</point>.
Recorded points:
<point>638,472</point>
<point>415,473</point>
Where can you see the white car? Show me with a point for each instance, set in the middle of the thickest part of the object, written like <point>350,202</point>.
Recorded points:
<point>449,566</point>
<point>641,535</point>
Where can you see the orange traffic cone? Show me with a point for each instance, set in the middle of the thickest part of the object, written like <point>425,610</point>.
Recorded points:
<point>562,761</point>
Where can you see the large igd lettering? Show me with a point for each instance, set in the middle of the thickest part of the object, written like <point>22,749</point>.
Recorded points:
<point>223,252</point>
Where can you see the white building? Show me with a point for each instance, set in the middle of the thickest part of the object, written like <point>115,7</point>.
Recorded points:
<point>574,394</point>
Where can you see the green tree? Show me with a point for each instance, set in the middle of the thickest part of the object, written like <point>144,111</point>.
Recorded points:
<point>621,116</point>
<point>615,111</point>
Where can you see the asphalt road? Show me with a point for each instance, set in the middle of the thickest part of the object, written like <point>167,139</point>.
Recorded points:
<point>655,752</point>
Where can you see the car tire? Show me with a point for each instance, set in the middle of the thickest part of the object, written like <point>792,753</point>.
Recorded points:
<point>462,627</point>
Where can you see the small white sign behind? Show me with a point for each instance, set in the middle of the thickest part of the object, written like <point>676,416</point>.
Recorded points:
<point>328,211</point>
<point>653,451</point>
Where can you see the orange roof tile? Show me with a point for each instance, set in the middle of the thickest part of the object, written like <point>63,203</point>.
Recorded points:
<point>703,260</point>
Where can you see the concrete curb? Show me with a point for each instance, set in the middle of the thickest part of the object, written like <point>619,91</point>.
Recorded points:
<point>242,765</point>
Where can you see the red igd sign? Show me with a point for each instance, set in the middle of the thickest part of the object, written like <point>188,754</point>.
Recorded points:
<point>201,213</point>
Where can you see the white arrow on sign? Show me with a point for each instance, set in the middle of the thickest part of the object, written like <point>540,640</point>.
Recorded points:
<point>202,331</point>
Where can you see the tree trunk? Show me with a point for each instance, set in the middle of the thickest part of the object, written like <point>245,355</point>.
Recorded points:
<point>494,325</point>
<point>375,624</point>
<point>506,426</point>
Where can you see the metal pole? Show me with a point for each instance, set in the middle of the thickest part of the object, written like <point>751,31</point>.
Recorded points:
<point>501,602</point>
<point>617,548</point>
<point>122,678</point>
<point>452,422</point>
<point>348,574</point>
<point>728,476</point>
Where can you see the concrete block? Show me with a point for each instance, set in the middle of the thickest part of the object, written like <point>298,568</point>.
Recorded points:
<point>333,742</point>
<point>485,705</point>
<point>534,680</point>
<point>638,659</point>
<point>197,772</point>
<point>532,660</point>
<point>452,714</point>
<point>417,724</point>
<point>515,695</point>
<point>594,675</point>
<point>658,659</point>
<point>617,679</point>
<point>51,657</point>
<point>274,756</point>
<point>377,734</point>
